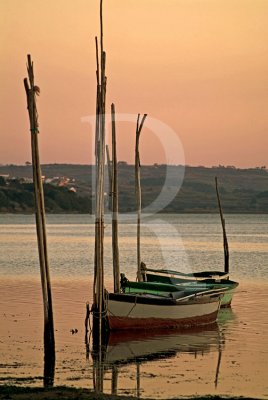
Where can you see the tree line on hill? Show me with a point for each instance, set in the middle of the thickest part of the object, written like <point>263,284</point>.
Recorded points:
<point>241,190</point>
<point>18,197</point>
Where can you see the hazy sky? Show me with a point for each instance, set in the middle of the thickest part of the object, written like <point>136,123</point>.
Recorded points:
<point>200,66</point>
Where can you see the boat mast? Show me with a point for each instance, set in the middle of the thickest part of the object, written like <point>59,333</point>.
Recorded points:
<point>138,191</point>
<point>116,269</point>
<point>225,241</point>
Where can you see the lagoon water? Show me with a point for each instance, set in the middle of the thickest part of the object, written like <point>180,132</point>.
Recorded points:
<point>229,358</point>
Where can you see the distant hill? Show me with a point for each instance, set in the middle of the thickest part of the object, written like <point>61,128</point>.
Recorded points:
<point>18,197</point>
<point>242,190</point>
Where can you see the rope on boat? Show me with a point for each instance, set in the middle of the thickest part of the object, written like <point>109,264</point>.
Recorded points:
<point>103,313</point>
<point>133,306</point>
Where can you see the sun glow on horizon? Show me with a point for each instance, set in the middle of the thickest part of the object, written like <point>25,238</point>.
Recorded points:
<point>198,66</point>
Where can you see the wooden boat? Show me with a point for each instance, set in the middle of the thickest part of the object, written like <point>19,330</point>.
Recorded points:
<point>180,309</point>
<point>198,281</point>
<point>227,284</point>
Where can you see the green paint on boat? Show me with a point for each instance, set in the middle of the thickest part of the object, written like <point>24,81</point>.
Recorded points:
<point>207,284</point>
<point>154,288</point>
<point>166,290</point>
<point>227,298</point>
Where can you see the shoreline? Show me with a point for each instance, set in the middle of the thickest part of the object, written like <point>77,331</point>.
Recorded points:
<point>64,392</point>
<point>168,212</point>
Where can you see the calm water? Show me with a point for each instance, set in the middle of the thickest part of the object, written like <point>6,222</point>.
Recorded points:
<point>229,358</point>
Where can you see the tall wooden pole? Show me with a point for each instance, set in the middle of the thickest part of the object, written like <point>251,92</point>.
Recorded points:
<point>225,241</point>
<point>138,191</point>
<point>49,341</point>
<point>115,207</point>
<point>98,289</point>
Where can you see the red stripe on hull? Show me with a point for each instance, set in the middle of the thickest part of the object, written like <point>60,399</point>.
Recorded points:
<point>119,323</point>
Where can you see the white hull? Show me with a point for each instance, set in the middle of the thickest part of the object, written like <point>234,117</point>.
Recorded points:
<point>124,312</point>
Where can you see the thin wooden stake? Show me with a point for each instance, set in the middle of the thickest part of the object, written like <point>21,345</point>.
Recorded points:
<point>49,341</point>
<point>110,177</point>
<point>138,191</point>
<point>116,269</point>
<point>225,241</point>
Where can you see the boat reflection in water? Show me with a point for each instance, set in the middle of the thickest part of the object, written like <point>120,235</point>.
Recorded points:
<point>140,347</point>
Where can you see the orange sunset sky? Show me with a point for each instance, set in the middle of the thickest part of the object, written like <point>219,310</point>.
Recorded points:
<point>200,66</point>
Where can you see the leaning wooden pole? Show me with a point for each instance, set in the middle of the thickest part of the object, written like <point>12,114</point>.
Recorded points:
<point>138,191</point>
<point>225,241</point>
<point>116,271</point>
<point>49,341</point>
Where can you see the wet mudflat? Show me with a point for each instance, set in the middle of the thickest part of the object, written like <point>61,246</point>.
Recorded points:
<point>228,358</point>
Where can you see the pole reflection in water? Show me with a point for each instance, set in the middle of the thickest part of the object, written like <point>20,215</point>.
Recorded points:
<point>140,347</point>
<point>114,379</point>
<point>98,353</point>
<point>218,366</point>
<point>138,380</point>
<point>49,368</point>
<point>226,316</point>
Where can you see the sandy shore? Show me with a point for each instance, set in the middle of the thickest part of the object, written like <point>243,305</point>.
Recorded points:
<point>26,393</point>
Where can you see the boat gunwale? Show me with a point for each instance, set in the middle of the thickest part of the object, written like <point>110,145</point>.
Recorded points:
<point>205,274</point>
<point>151,299</point>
